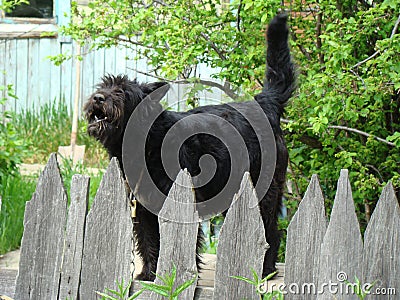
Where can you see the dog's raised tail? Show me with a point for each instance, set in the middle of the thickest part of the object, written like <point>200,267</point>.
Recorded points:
<point>280,81</point>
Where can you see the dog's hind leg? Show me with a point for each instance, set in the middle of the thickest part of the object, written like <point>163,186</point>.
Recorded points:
<point>147,241</point>
<point>270,208</point>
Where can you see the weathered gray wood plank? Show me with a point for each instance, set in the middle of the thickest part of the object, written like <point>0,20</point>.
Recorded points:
<point>7,282</point>
<point>201,293</point>
<point>73,245</point>
<point>381,259</point>
<point>341,250</point>
<point>108,237</point>
<point>179,223</point>
<point>241,246</point>
<point>43,239</point>
<point>304,238</point>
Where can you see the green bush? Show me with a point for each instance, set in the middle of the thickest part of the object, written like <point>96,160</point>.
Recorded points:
<point>12,144</point>
<point>348,65</point>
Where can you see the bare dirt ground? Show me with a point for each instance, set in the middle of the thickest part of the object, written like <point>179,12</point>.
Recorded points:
<point>10,260</point>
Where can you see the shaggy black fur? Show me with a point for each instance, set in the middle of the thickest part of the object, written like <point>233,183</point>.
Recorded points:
<point>108,111</point>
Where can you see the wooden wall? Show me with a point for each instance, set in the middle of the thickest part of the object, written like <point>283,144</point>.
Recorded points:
<point>24,63</point>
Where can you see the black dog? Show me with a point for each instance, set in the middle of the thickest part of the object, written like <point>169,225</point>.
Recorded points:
<point>110,107</point>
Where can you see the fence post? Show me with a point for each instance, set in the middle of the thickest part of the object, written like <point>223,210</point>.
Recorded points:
<point>241,246</point>
<point>43,239</point>
<point>303,244</point>
<point>341,249</point>
<point>107,248</point>
<point>381,259</point>
<point>73,245</point>
<point>179,224</point>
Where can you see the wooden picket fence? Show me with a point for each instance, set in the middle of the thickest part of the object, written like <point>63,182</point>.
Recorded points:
<point>70,253</point>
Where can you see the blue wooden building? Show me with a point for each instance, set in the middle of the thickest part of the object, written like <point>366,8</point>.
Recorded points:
<point>26,43</point>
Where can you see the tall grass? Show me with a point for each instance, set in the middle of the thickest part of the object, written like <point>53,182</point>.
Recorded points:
<point>68,170</point>
<point>47,127</point>
<point>15,191</point>
<point>43,130</point>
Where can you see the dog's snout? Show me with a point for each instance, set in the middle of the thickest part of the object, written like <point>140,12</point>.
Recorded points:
<point>99,98</point>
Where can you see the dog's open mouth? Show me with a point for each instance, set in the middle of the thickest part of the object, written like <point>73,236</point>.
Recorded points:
<point>97,120</point>
<point>98,116</point>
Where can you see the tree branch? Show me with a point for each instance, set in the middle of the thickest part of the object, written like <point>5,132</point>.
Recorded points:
<point>318,33</point>
<point>359,77</point>
<point>225,87</point>
<point>363,133</point>
<point>212,44</point>
<point>238,16</point>
<point>394,30</point>
<point>349,129</point>
<point>301,47</point>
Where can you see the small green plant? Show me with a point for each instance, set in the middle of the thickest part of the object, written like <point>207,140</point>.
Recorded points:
<point>12,145</point>
<point>211,234</point>
<point>68,169</point>
<point>258,283</point>
<point>9,5</point>
<point>121,294</point>
<point>166,289</point>
<point>361,290</point>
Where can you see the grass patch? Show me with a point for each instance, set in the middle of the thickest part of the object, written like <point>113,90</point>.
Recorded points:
<point>49,126</point>
<point>68,170</point>
<point>15,191</point>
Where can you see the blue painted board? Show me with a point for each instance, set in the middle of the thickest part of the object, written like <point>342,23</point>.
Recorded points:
<point>11,72</point>
<point>33,99</point>
<point>22,74</point>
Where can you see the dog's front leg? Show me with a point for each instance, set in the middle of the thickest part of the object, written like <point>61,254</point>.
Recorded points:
<point>147,241</point>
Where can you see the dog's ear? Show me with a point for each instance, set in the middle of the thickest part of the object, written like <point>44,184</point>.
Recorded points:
<point>156,89</point>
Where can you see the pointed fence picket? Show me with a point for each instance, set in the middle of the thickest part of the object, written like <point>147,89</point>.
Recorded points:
<point>70,253</point>
<point>325,262</point>
<point>381,253</point>
<point>341,249</point>
<point>304,238</point>
<point>179,222</point>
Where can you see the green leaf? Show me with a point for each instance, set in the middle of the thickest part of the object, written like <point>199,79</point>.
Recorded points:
<point>137,294</point>
<point>184,286</point>
<point>244,279</point>
<point>159,289</point>
<point>105,296</point>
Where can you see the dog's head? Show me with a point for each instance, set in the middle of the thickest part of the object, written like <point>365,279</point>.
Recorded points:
<point>110,106</point>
